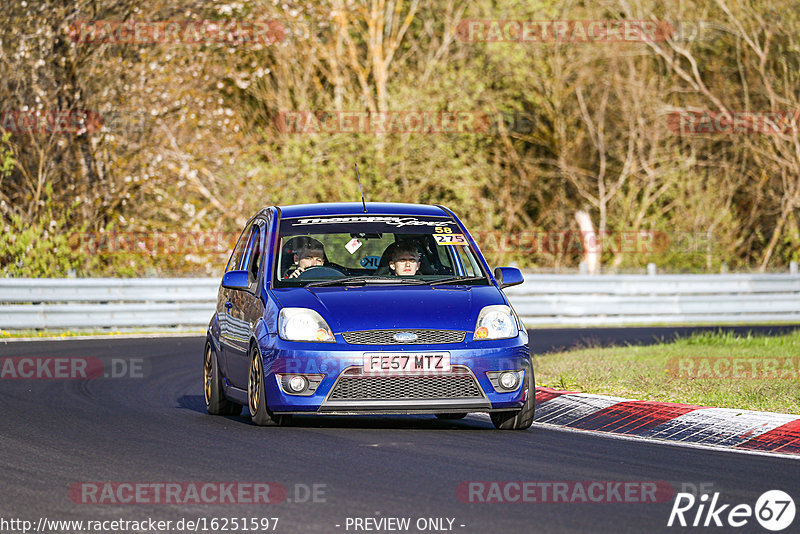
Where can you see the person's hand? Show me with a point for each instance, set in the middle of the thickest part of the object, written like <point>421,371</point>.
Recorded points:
<point>296,272</point>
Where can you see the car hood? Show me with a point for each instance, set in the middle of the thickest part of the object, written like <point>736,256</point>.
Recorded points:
<point>373,308</point>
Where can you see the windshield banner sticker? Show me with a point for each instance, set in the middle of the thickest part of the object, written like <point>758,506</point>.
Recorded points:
<point>397,222</point>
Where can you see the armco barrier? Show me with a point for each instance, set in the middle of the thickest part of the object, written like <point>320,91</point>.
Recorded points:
<point>88,303</point>
<point>644,299</point>
<point>541,300</point>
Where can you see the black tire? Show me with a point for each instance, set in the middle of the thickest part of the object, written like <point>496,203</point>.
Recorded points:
<point>451,415</point>
<point>256,397</point>
<point>216,403</point>
<point>518,419</point>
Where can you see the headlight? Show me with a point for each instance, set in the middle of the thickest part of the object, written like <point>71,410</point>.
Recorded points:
<point>495,322</point>
<point>302,324</point>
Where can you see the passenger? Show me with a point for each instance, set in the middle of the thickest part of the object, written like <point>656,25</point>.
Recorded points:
<point>404,260</point>
<point>308,253</point>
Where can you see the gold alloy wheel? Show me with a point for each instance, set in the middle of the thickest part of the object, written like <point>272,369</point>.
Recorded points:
<point>254,384</point>
<point>207,374</point>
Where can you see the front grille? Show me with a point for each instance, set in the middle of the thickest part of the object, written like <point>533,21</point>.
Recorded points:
<point>353,386</point>
<point>385,337</point>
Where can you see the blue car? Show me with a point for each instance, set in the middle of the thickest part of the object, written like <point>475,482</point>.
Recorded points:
<point>365,308</point>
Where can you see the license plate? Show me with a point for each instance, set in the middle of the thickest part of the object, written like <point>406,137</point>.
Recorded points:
<point>406,362</point>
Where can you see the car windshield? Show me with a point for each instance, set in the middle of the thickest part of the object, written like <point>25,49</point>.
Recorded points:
<point>374,249</point>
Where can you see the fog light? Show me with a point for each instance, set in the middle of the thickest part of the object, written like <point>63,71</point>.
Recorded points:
<point>509,380</point>
<point>297,384</point>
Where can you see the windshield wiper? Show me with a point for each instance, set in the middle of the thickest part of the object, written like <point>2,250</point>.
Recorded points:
<point>457,280</point>
<point>364,280</point>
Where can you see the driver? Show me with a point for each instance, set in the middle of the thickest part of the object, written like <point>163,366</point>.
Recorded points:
<point>310,253</point>
<point>404,260</point>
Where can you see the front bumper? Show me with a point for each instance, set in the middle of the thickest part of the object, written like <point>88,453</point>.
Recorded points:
<point>344,388</point>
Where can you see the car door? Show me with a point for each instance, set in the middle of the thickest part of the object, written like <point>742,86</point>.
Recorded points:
<point>225,299</point>
<point>246,307</point>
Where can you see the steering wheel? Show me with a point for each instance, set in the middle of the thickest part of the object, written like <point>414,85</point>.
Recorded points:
<point>319,271</point>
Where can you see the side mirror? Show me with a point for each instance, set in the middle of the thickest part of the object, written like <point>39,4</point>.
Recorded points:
<point>508,276</point>
<point>236,280</point>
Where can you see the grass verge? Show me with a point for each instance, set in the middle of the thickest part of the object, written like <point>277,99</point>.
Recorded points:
<point>709,369</point>
<point>63,334</point>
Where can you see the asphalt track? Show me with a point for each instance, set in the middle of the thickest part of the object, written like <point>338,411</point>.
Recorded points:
<point>152,428</point>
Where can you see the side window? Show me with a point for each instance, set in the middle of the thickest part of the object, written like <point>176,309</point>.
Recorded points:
<point>238,251</point>
<point>469,262</point>
<point>255,252</point>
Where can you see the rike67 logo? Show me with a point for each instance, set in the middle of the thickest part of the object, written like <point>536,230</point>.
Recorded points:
<point>774,510</point>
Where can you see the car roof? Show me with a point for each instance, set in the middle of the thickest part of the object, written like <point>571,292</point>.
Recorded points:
<point>357,208</point>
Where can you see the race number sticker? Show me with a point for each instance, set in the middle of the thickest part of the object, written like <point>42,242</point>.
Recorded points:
<point>370,262</point>
<point>353,245</point>
<point>450,239</point>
